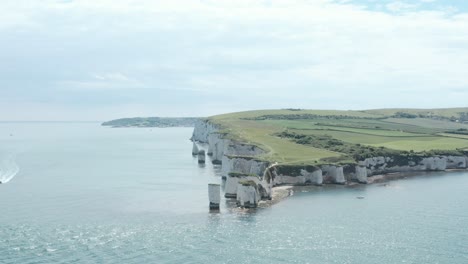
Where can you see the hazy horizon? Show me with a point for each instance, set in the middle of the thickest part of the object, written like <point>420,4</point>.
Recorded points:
<point>98,121</point>
<point>96,61</point>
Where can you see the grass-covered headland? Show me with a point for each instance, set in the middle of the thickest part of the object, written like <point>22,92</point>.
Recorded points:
<point>310,137</point>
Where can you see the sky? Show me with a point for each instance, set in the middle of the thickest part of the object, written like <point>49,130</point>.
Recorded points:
<point>100,60</point>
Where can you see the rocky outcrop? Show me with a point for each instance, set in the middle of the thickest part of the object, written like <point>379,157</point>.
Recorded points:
<point>244,165</point>
<point>214,195</point>
<point>372,166</point>
<point>240,163</point>
<point>289,180</point>
<point>380,165</point>
<point>333,174</point>
<point>195,149</point>
<point>360,174</point>
<point>201,156</point>
<point>313,177</point>
<point>202,130</point>
<point>217,145</point>
<point>210,150</point>
<point>248,194</point>
<point>234,148</point>
<point>296,175</point>
<point>236,159</point>
<point>456,162</point>
<point>232,182</point>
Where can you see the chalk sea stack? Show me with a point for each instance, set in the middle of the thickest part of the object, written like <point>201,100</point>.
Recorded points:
<point>201,156</point>
<point>195,149</point>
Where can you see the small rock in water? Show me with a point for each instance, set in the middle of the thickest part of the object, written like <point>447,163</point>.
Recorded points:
<point>195,149</point>
<point>201,156</point>
<point>360,197</point>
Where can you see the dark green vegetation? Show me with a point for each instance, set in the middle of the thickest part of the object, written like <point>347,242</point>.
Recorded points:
<point>248,183</point>
<point>311,137</point>
<point>153,122</point>
<point>240,175</point>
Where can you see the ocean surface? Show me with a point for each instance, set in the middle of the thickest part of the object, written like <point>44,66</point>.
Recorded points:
<point>82,193</point>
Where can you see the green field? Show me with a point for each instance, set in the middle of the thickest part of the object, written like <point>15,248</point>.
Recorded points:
<point>293,136</point>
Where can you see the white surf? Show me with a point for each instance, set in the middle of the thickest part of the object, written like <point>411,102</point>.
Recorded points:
<point>8,169</point>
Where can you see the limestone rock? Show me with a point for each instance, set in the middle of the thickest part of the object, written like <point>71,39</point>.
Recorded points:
<point>361,174</point>
<point>210,150</point>
<point>216,145</point>
<point>456,162</point>
<point>201,156</point>
<point>247,194</point>
<point>202,130</point>
<point>243,165</point>
<point>214,195</point>
<point>435,163</point>
<point>232,182</point>
<point>314,177</point>
<point>334,174</point>
<point>291,180</point>
<point>195,149</point>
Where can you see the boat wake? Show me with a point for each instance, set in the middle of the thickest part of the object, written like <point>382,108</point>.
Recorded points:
<point>8,169</point>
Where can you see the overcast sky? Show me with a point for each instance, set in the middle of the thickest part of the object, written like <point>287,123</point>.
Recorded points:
<point>105,59</point>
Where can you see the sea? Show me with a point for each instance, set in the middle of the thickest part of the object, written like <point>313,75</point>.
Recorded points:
<point>83,193</point>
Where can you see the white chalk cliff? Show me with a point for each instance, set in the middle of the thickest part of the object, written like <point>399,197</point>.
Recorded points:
<point>195,149</point>
<point>239,162</point>
<point>247,196</point>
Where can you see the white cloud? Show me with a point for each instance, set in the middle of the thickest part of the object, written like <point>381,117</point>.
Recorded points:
<point>307,49</point>
<point>399,6</point>
<point>106,81</point>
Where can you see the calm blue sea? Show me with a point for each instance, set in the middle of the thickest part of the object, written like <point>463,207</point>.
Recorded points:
<point>82,193</point>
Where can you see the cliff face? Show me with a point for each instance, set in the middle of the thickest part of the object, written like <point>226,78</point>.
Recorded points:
<point>202,130</point>
<point>368,167</point>
<point>306,177</point>
<point>242,165</point>
<point>234,157</point>
<point>379,165</point>
<point>247,196</point>
<point>239,163</point>
<point>232,184</point>
<point>334,174</point>
<point>360,175</point>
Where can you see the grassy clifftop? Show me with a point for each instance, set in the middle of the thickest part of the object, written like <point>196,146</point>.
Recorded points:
<point>296,136</point>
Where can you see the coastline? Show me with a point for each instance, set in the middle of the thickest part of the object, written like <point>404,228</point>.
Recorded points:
<point>241,161</point>
<point>282,192</point>
<point>278,194</point>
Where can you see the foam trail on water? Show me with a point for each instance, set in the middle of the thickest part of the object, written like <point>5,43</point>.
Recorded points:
<point>8,169</point>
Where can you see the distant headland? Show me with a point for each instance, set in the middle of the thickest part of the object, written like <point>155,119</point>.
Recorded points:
<point>153,122</point>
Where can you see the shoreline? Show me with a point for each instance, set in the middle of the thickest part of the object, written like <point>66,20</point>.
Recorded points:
<point>282,192</point>
<point>278,194</point>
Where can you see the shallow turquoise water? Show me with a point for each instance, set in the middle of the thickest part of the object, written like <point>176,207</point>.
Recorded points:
<point>88,194</point>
